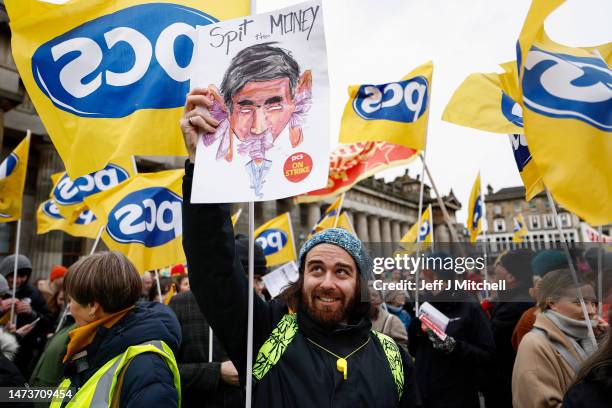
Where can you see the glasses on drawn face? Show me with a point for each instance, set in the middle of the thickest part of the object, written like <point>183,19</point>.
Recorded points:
<point>248,108</point>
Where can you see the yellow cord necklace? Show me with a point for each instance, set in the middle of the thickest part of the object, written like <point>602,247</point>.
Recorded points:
<point>341,363</point>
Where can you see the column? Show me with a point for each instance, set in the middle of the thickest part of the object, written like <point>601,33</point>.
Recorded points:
<point>313,214</point>
<point>361,226</point>
<point>396,233</point>
<point>374,228</point>
<point>385,226</point>
<point>44,250</point>
<point>404,226</point>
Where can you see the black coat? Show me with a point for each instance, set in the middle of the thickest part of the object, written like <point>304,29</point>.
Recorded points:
<point>33,343</point>
<point>305,376</point>
<point>454,379</point>
<point>201,382</point>
<point>11,377</point>
<point>148,381</point>
<point>590,393</point>
<point>504,316</point>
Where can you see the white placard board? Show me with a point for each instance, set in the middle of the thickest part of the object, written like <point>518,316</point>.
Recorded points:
<point>269,72</point>
<point>278,280</point>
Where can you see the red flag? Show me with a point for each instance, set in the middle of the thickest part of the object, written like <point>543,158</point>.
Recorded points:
<point>352,163</point>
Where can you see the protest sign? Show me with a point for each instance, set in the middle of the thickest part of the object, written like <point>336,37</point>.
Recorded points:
<point>434,319</point>
<point>280,278</point>
<point>268,75</point>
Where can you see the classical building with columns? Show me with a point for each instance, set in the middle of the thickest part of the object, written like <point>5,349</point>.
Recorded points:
<point>380,211</point>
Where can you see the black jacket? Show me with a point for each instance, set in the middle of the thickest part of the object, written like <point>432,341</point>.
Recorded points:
<point>11,377</point>
<point>305,376</point>
<point>201,382</point>
<point>32,344</point>
<point>504,316</point>
<point>148,381</point>
<point>453,380</point>
<point>590,393</point>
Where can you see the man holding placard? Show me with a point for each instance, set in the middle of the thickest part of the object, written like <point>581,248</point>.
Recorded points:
<point>320,350</point>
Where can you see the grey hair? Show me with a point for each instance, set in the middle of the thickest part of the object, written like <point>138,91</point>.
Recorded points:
<point>259,62</point>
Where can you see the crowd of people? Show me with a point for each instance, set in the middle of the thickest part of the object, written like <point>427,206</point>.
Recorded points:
<point>528,346</point>
<point>108,336</point>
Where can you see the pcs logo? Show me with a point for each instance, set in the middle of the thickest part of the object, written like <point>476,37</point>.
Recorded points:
<point>151,216</point>
<point>49,208</point>
<point>477,213</point>
<point>272,241</point>
<point>522,155</point>
<point>566,86</point>
<point>404,101</point>
<point>424,231</point>
<point>8,165</point>
<point>511,110</point>
<point>68,192</point>
<point>104,68</point>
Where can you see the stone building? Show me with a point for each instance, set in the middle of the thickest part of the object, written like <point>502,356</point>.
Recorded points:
<point>380,211</point>
<point>504,205</point>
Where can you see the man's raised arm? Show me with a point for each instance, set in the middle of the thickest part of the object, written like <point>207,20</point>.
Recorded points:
<point>216,276</point>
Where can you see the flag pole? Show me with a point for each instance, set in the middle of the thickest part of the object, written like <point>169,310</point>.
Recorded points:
<point>338,211</point>
<point>418,239</point>
<point>249,356</point>
<point>431,225</point>
<point>572,269</point>
<point>210,344</point>
<point>18,238</point>
<point>599,272</point>
<point>158,286</point>
<point>484,235</point>
<point>447,218</point>
<point>97,241</point>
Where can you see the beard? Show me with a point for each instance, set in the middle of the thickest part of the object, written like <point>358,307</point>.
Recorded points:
<point>329,316</point>
<point>256,146</point>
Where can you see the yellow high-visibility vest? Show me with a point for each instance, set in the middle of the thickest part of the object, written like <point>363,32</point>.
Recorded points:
<point>98,391</point>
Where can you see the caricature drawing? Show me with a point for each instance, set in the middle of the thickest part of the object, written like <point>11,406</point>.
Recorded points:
<point>261,93</point>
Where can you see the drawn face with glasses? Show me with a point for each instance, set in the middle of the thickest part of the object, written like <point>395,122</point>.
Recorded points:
<point>261,107</point>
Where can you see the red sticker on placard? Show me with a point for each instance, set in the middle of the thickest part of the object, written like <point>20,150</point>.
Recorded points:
<point>297,167</point>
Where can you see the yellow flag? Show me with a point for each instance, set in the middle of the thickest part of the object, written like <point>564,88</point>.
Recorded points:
<point>425,235</point>
<point>481,103</point>
<point>69,194</point>
<point>474,221</point>
<point>396,112</point>
<point>236,216</point>
<point>13,171</point>
<point>143,218</point>
<point>109,78</point>
<point>48,218</point>
<point>330,218</point>
<point>276,239</point>
<point>567,109</point>
<point>344,222</point>
<point>488,102</point>
<point>520,229</point>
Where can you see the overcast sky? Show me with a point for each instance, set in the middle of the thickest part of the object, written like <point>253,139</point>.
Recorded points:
<point>379,41</point>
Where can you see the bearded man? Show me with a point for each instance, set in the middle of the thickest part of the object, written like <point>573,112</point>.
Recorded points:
<point>315,346</point>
